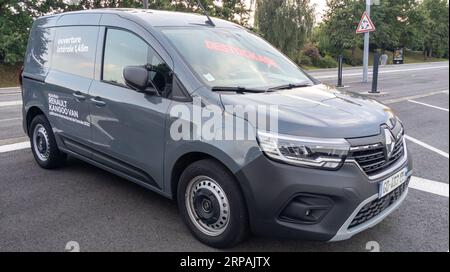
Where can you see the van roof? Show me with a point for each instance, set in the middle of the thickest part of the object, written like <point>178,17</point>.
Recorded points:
<point>156,17</point>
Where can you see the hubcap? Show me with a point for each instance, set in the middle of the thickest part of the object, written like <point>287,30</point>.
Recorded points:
<point>207,205</point>
<point>41,142</point>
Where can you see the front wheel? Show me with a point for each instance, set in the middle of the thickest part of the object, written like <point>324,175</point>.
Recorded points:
<point>212,205</point>
<point>43,144</point>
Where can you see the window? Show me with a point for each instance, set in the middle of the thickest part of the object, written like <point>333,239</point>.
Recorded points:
<point>234,57</point>
<point>122,49</point>
<point>74,50</point>
<point>40,48</point>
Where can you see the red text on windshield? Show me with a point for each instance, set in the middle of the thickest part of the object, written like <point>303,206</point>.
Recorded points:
<point>225,48</point>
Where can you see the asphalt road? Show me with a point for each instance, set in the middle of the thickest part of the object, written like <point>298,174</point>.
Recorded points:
<point>43,210</point>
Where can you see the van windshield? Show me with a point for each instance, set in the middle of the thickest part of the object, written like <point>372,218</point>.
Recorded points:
<point>234,58</point>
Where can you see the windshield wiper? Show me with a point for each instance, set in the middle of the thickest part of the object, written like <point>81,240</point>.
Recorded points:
<point>291,86</point>
<point>237,89</point>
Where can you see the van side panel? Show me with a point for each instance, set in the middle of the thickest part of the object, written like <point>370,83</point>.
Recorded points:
<point>37,64</point>
<point>130,125</point>
<point>67,86</point>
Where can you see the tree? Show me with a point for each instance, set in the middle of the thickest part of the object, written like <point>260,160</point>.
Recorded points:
<point>391,18</point>
<point>432,27</point>
<point>287,24</point>
<point>339,25</point>
<point>232,10</point>
<point>16,17</point>
<point>415,24</point>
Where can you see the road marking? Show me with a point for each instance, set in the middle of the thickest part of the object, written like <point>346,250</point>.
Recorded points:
<point>357,68</point>
<point>383,72</point>
<point>11,119</point>
<point>14,147</point>
<point>9,94</point>
<point>11,103</point>
<point>429,186</point>
<point>14,140</point>
<point>9,88</point>
<point>406,98</point>
<point>428,105</point>
<point>427,146</point>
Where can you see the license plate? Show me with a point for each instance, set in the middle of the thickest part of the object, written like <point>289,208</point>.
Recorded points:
<point>392,183</point>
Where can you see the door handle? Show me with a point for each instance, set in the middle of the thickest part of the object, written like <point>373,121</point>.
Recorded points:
<point>79,96</point>
<point>98,102</point>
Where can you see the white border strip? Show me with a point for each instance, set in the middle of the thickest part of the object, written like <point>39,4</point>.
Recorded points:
<point>428,105</point>
<point>9,88</point>
<point>10,119</point>
<point>427,146</point>
<point>14,147</point>
<point>11,103</point>
<point>429,186</point>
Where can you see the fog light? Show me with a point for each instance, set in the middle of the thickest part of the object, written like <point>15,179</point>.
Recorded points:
<point>306,209</point>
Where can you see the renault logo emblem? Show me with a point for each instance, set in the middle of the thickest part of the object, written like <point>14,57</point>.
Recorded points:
<point>390,143</point>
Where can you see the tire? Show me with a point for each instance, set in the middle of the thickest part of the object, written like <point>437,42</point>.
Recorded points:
<point>43,144</point>
<point>204,187</point>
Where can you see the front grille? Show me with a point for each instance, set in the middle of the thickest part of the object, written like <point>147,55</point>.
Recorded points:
<point>377,206</point>
<point>372,158</point>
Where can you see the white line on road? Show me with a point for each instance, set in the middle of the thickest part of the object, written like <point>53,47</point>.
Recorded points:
<point>430,186</point>
<point>9,94</point>
<point>427,146</point>
<point>406,98</point>
<point>11,103</point>
<point>14,147</point>
<point>357,68</point>
<point>10,119</point>
<point>383,72</point>
<point>9,88</point>
<point>417,183</point>
<point>428,105</point>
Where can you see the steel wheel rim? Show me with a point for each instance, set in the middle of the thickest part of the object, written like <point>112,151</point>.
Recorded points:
<point>197,188</point>
<point>41,142</point>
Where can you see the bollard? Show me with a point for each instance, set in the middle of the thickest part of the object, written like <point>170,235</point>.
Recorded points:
<point>376,60</point>
<point>340,67</point>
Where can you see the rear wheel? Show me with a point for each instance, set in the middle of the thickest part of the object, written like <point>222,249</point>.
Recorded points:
<point>43,144</point>
<point>212,205</point>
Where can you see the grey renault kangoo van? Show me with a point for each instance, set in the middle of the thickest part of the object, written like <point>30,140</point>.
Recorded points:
<point>204,112</point>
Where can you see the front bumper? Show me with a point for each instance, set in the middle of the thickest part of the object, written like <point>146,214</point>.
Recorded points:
<point>346,232</point>
<point>269,187</point>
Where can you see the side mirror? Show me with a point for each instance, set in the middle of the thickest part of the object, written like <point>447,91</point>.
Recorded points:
<point>136,77</point>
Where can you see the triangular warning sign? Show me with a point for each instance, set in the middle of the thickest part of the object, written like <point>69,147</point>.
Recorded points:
<point>366,24</point>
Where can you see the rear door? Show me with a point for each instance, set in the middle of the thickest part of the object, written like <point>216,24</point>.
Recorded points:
<point>68,83</point>
<point>128,127</point>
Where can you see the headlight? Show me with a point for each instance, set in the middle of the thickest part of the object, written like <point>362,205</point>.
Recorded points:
<point>324,153</point>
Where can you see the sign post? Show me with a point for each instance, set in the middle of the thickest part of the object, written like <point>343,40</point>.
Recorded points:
<point>340,67</point>
<point>366,26</point>
<point>145,4</point>
<point>376,60</point>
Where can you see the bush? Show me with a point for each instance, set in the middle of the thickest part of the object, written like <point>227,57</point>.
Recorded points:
<point>311,51</point>
<point>353,61</point>
<point>303,60</point>
<point>327,62</point>
<point>310,56</point>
